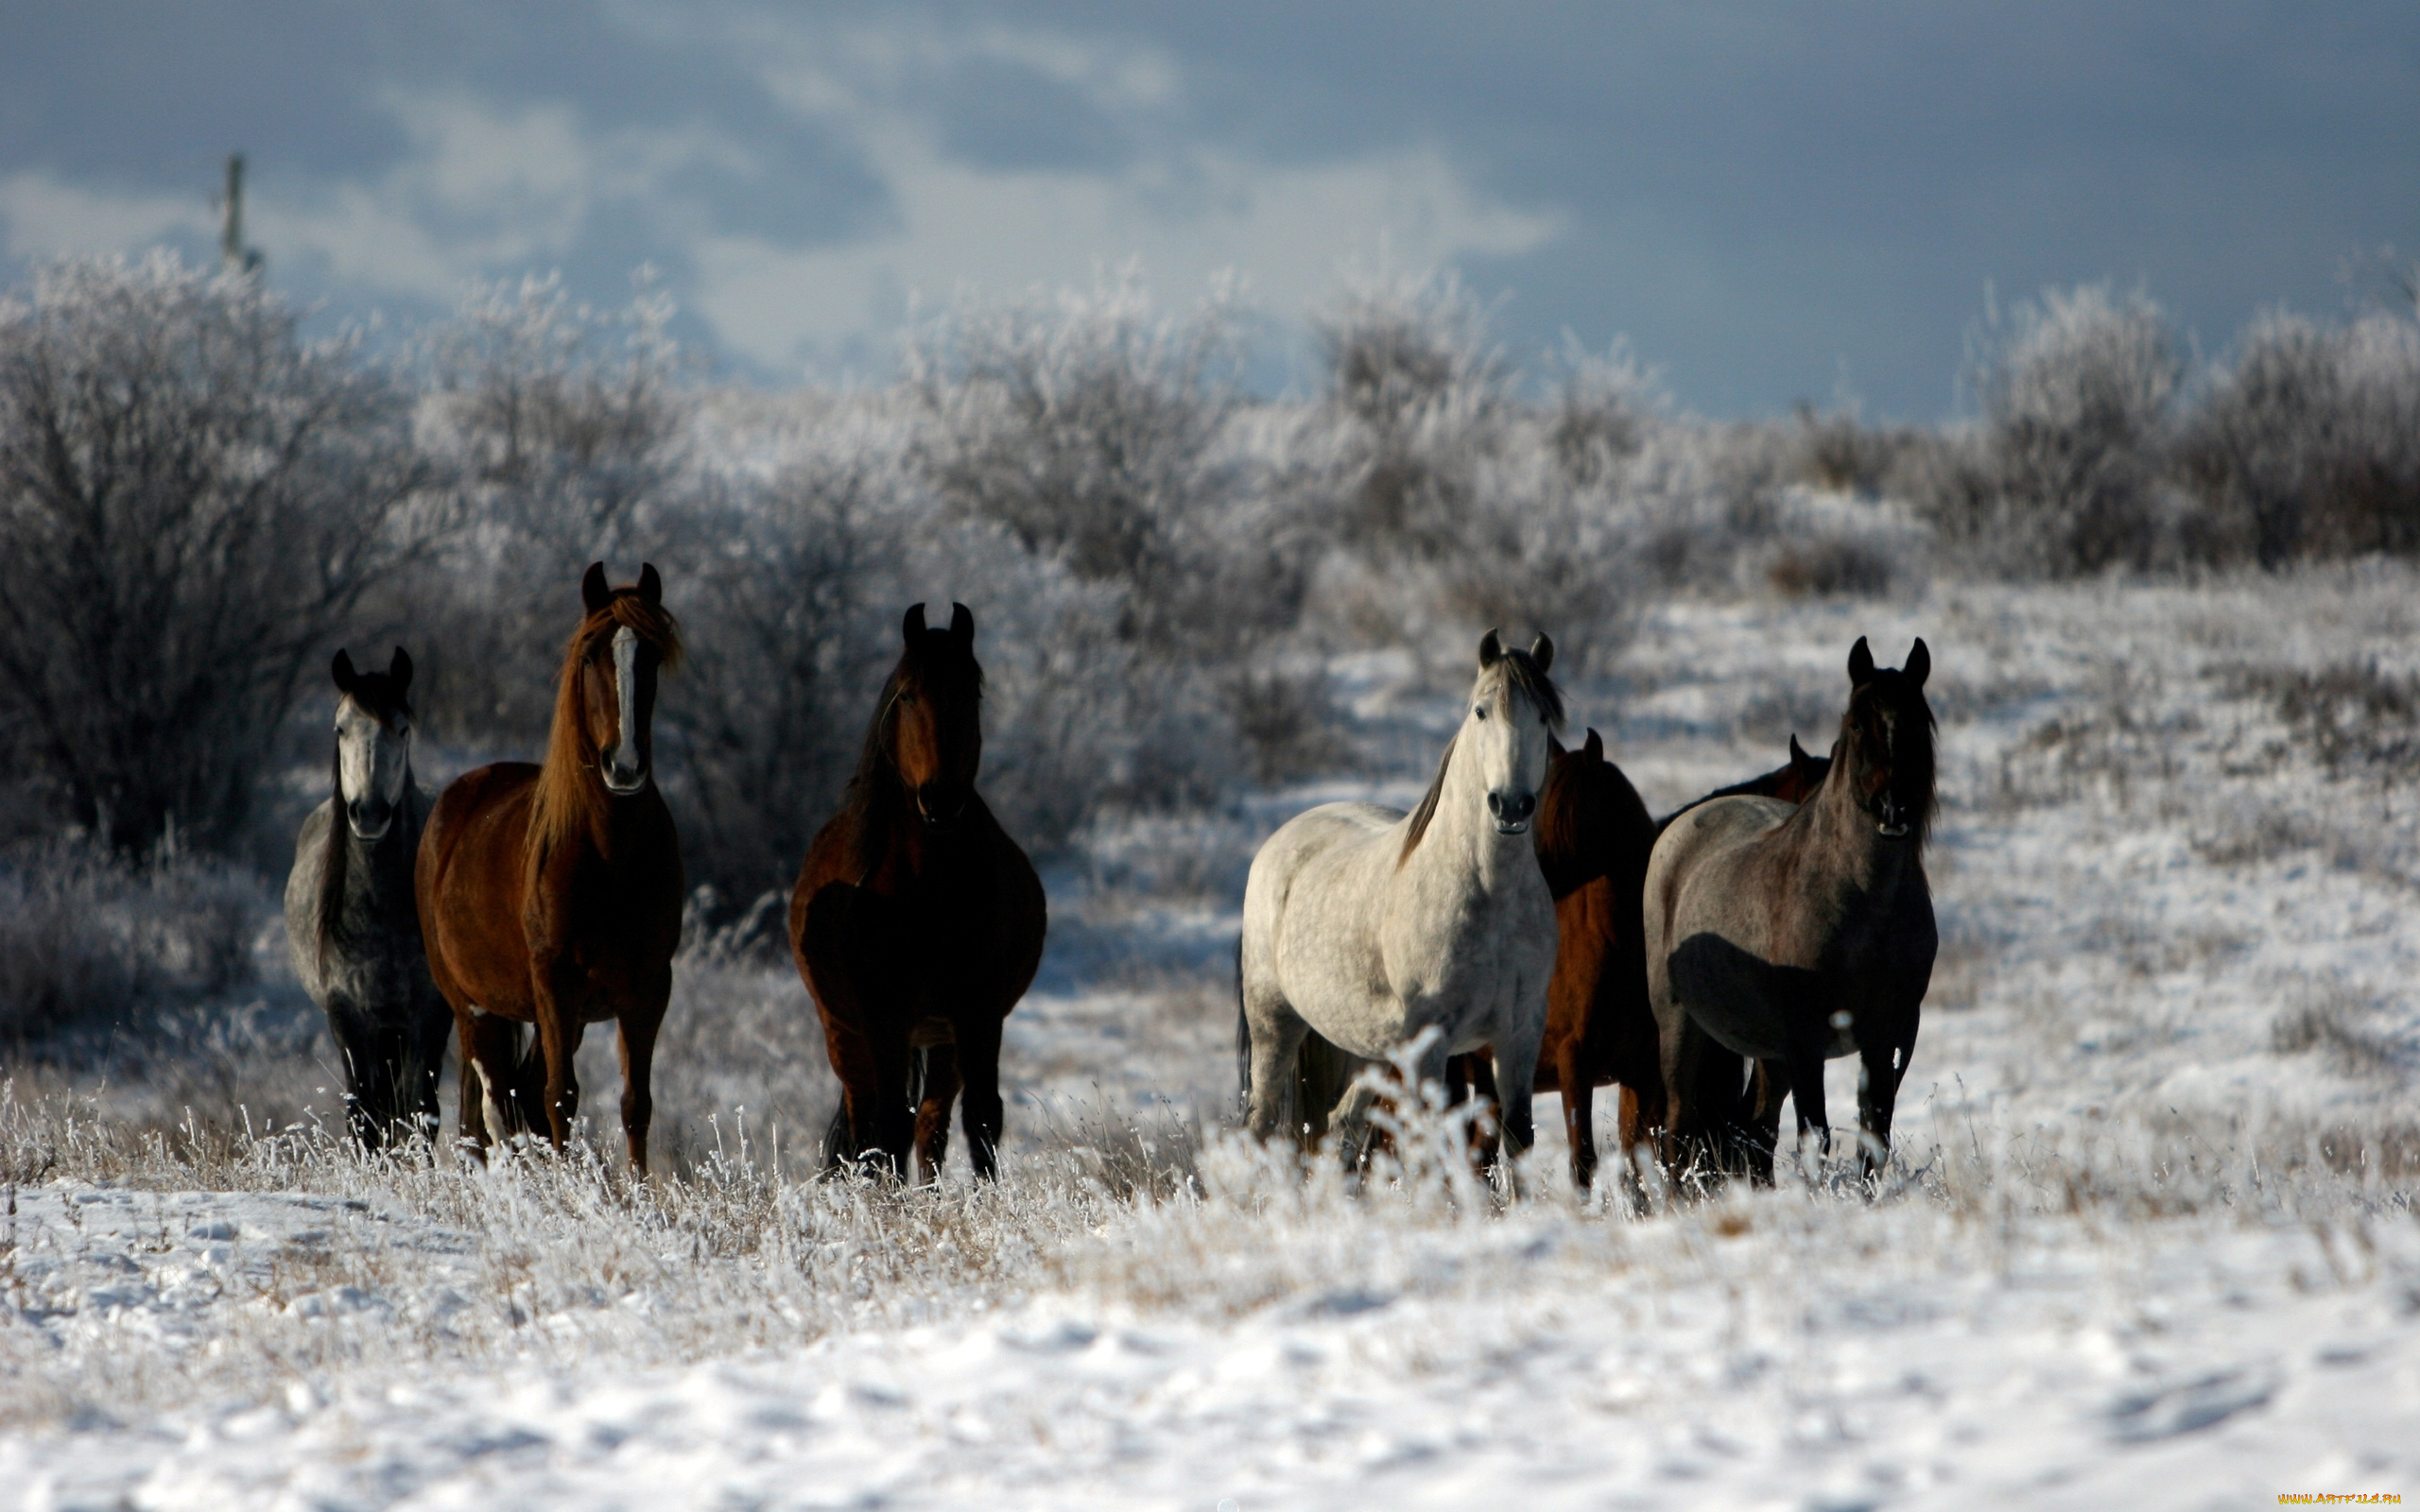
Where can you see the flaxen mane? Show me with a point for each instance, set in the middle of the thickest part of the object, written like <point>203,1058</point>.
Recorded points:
<point>568,784</point>
<point>1512,670</point>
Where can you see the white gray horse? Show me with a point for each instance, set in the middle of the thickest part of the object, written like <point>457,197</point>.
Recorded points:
<point>351,922</point>
<point>1794,934</point>
<point>1371,925</point>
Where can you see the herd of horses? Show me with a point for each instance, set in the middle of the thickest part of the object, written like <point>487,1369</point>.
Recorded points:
<point>1527,925</point>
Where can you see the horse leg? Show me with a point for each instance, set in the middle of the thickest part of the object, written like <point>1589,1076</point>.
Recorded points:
<point>559,1031</point>
<point>1578,1084</point>
<point>638,1028</point>
<point>1682,1048</point>
<point>1879,1074</point>
<point>941,1083</point>
<point>490,1048</point>
<point>1479,1085</point>
<point>1808,1036</point>
<point>978,1068</point>
<point>429,1059</point>
<point>1277,1035</point>
<point>1762,1125</point>
<point>1516,1074</point>
<point>357,1048</point>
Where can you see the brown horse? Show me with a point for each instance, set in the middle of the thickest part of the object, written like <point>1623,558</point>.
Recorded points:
<point>551,895</point>
<point>917,923</point>
<point>1593,838</point>
<point>1794,935</point>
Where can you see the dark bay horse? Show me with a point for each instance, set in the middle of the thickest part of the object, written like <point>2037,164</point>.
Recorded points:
<point>1593,839</point>
<point>551,895</point>
<point>916,922</point>
<point>1795,935</point>
<point>351,924</point>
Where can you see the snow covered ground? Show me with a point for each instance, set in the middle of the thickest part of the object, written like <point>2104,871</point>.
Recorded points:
<point>2151,1239</point>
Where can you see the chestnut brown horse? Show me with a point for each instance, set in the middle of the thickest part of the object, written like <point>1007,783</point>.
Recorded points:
<point>1593,839</point>
<point>917,923</point>
<point>551,895</point>
<point>1796,935</point>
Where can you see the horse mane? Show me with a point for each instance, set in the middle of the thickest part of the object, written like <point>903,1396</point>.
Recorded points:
<point>1767,785</point>
<point>1428,806</point>
<point>568,786</point>
<point>1914,766</point>
<point>1512,672</point>
<point>1561,798</point>
<point>332,859</point>
<point>872,800</point>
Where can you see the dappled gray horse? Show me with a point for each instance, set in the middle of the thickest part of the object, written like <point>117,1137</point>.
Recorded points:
<point>1798,934</point>
<point>1371,925</point>
<point>350,922</point>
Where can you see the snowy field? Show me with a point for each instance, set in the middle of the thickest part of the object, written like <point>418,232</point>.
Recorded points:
<point>2149,1240</point>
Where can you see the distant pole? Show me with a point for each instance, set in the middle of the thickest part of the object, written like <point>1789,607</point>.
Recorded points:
<point>233,256</point>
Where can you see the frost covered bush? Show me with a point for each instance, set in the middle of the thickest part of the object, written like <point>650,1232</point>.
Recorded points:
<point>2309,444</point>
<point>1094,433</point>
<point>2066,475</point>
<point>1440,504</point>
<point>193,502</point>
<point>91,939</point>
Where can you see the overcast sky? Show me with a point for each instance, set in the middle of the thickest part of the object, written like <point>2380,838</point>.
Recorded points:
<point>1772,202</point>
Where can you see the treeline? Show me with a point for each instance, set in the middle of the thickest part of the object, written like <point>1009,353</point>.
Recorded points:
<point>198,505</point>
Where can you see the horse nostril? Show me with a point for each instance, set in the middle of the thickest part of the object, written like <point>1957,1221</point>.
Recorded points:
<point>1526,805</point>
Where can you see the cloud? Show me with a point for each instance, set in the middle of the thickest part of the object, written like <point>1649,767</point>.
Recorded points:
<point>1763,197</point>
<point>1183,221</point>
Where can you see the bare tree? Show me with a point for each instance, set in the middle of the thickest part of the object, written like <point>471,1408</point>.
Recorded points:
<point>192,501</point>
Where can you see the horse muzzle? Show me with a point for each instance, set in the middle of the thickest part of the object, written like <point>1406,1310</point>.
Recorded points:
<point>1512,811</point>
<point>620,780</point>
<point>369,820</point>
<point>939,818</point>
<point>1891,822</point>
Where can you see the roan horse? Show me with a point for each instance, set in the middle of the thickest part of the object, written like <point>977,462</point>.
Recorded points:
<point>350,922</point>
<point>1793,936</point>
<point>1593,838</point>
<point>916,922</point>
<point>551,895</point>
<point>1368,926</point>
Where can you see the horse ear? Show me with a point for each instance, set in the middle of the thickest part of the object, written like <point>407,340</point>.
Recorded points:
<point>911,628</point>
<point>650,585</point>
<point>594,590</point>
<point>1919,663</point>
<point>1542,650</point>
<point>1860,664</point>
<point>1798,756</point>
<point>1491,650</point>
<point>399,671</point>
<point>1594,748</point>
<point>341,669</point>
<point>961,624</point>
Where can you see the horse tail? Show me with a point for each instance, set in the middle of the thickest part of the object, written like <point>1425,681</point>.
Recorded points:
<point>1243,1036</point>
<point>1321,1072</point>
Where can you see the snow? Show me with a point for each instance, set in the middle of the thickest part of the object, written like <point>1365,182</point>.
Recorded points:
<point>2150,1240</point>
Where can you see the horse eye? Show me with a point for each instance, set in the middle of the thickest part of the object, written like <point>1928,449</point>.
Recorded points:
<point>906,696</point>
<point>1480,709</point>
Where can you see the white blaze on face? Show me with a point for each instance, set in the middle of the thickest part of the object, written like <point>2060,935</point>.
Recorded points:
<point>622,771</point>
